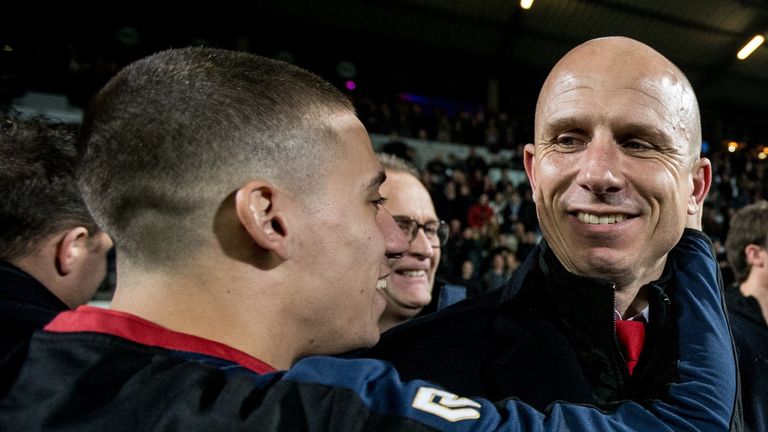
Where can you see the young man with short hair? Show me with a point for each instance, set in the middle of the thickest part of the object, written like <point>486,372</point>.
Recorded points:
<point>53,257</point>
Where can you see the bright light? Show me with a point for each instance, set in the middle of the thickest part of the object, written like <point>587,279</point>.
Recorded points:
<point>762,156</point>
<point>765,150</point>
<point>350,85</point>
<point>526,4</point>
<point>733,146</point>
<point>750,47</point>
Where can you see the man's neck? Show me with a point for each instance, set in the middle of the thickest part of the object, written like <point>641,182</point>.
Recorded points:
<point>753,288</point>
<point>630,301</point>
<point>194,303</point>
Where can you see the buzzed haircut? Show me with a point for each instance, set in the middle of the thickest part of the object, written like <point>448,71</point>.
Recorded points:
<point>173,134</point>
<point>749,225</point>
<point>39,196</point>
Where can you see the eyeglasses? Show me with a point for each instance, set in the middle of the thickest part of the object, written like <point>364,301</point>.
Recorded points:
<point>436,232</point>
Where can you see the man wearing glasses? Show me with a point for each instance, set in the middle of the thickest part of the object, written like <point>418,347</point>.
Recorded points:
<point>410,285</point>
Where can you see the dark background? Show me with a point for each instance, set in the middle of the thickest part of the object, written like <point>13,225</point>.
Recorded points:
<point>447,51</point>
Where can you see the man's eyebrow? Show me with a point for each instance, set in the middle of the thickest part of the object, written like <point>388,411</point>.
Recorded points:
<point>562,124</point>
<point>569,123</point>
<point>377,181</point>
<point>645,130</point>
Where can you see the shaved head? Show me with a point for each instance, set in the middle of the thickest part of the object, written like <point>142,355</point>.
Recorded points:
<point>620,63</point>
<point>615,167</point>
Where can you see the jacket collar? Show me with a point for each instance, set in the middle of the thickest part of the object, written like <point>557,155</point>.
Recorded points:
<point>746,307</point>
<point>133,328</point>
<point>24,297</point>
<point>578,297</point>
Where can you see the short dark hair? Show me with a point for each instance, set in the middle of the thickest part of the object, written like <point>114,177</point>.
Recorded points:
<point>39,196</point>
<point>173,134</point>
<point>749,225</point>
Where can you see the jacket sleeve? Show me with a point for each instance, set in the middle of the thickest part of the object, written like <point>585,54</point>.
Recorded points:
<point>337,394</point>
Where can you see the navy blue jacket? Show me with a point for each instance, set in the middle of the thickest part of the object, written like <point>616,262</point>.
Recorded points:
<point>95,370</point>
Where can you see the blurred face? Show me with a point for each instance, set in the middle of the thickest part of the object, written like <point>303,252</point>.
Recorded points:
<point>512,262</point>
<point>498,262</point>
<point>340,241</point>
<point>409,286</point>
<point>611,169</point>
<point>467,269</point>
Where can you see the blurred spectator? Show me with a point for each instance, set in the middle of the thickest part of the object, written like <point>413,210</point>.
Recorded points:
<point>468,278</point>
<point>747,247</point>
<point>497,275</point>
<point>480,214</point>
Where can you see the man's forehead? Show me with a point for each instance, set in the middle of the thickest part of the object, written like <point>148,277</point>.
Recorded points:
<point>655,80</point>
<point>663,91</point>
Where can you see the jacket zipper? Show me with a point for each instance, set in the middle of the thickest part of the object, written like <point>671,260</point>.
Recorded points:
<point>616,342</point>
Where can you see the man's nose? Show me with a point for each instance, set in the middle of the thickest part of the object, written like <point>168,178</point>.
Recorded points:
<point>395,241</point>
<point>600,166</point>
<point>421,246</point>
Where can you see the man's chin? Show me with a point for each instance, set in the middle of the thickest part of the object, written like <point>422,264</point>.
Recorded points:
<point>619,272</point>
<point>409,298</point>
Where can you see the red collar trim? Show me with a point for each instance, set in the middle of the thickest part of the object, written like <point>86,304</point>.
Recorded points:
<point>133,328</point>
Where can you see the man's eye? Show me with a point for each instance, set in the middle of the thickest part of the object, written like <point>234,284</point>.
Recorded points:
<point>378,202</point>
<point>405,226</point>
<point>636,145</point>
<point>430,230</point>
<point>569,141</point>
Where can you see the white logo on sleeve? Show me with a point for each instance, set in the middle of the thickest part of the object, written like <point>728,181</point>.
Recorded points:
<point>446,405</point>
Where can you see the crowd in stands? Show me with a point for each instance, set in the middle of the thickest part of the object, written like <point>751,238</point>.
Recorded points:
<point>493,224</point>
<point>449,123</point>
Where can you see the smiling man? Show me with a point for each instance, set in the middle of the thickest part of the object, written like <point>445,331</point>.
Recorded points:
<point>410,285</point>
<point>588,318</point>
<point>615,166</point>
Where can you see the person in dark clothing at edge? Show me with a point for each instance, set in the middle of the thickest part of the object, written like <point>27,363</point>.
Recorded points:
<point>251,239</point>
<point>52,255</point>
<point>588,318</point>
<point>747,249</point>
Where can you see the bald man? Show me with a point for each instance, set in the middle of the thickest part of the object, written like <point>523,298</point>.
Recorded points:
<point>590,316</point>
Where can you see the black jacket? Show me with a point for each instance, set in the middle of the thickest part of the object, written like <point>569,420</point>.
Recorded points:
<point>25,306</point>
<point>751,335</point>
<point>546,336</point>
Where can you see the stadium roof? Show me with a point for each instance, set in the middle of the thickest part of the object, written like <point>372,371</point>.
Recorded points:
<point>418,45</point>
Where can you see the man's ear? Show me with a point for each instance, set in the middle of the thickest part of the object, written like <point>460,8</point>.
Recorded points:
<point>702,180</point>
<point>259,210</point>
<point>753,256</point>
<point>70,248</point>
<point>529,159</point>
